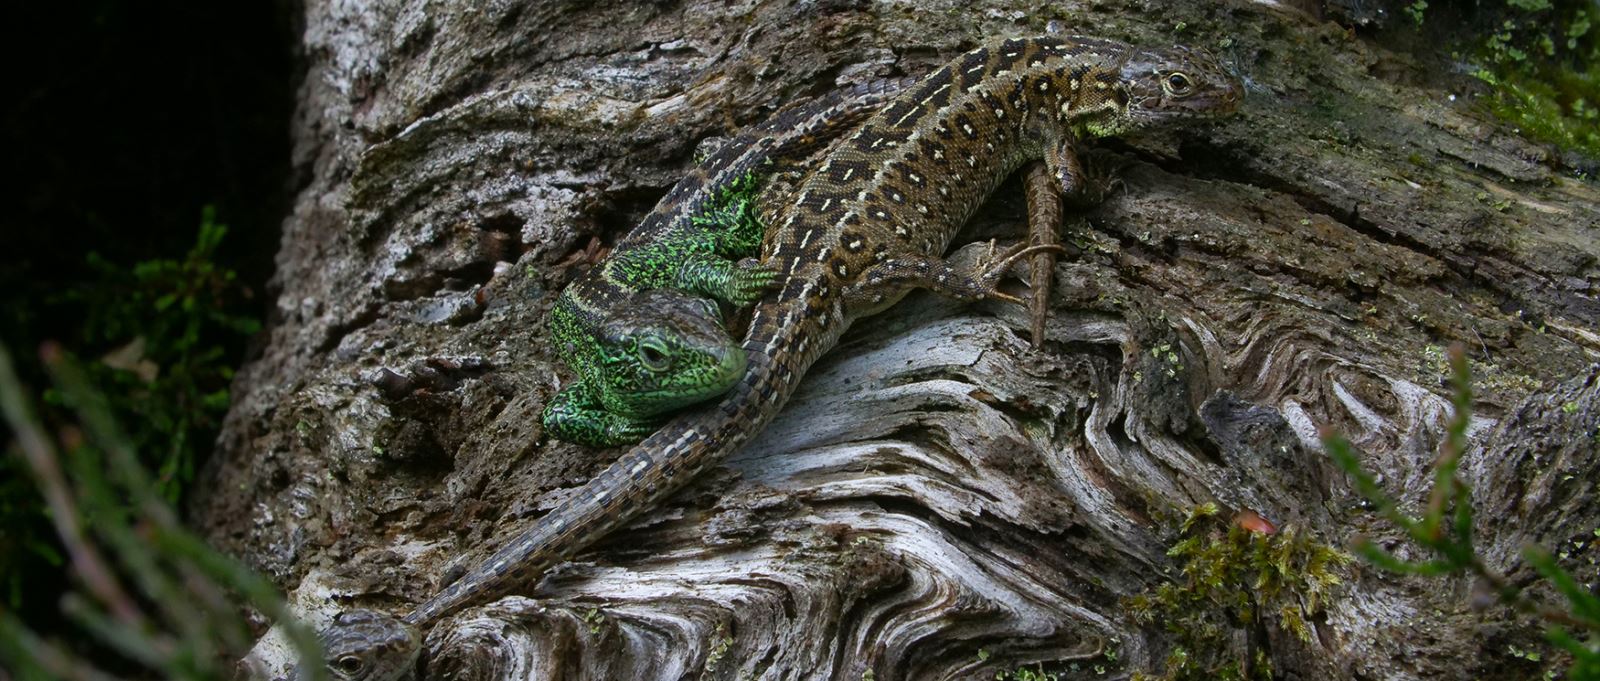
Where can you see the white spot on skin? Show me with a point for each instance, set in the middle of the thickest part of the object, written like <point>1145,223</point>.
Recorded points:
<point>972,161</point>
<point>922,209</point>
<point>847,173</point>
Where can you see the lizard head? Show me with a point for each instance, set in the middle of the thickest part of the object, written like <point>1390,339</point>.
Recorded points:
<point>362,645</point>
<point>665,349</point>
<point>1173,84</point>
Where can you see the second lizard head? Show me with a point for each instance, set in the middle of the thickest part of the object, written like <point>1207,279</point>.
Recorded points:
<point>1160,85</point>
<point>665,349</point>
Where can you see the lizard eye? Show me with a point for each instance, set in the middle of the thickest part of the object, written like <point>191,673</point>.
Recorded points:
<point>1177,84</point>
<point>653,355</point>
<point>349,665</point>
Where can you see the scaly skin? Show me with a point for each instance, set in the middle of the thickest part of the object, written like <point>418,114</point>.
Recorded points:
<point>868,225</point>
<point>632,368</point>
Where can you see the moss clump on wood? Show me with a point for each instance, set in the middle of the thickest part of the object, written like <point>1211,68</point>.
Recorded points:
<point>1232,580</point>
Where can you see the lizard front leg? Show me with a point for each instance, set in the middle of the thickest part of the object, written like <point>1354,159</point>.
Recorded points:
<point>576,415</point>
<point>1062,176</point>
<point>1044,222</point>
<point>737,283</point>
<point>1080,184</point>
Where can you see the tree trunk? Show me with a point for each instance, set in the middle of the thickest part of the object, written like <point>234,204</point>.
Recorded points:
<point>938,500</point>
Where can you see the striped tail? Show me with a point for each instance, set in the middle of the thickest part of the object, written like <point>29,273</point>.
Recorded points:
<point>644,475</point>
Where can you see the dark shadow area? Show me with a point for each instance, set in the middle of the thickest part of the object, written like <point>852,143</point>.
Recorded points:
<point>122,122</point>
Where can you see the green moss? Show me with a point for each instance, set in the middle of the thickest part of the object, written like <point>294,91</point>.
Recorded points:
<point>1543,111</point>
<point>1232,579</point>
<point>1539,65</point>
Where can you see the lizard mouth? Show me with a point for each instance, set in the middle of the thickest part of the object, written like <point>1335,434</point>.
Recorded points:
<point>730,367</point>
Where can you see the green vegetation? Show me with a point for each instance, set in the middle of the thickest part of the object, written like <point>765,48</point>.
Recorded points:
<point>163,331</point>
<point>1539,61</point>
<point>1445,530</point>
<point>165,323</point>
<point>151,596</point>
<point>1235,579</point>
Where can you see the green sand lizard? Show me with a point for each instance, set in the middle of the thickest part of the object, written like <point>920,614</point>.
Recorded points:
<point>643,330</point>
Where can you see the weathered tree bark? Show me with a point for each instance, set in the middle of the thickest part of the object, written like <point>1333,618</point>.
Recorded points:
<point>935,488</point>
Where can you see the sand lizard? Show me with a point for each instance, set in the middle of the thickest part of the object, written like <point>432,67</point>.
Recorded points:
<point>643,331</point>
<point>867,225</point>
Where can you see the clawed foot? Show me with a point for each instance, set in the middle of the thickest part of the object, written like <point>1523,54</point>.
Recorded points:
<point>629,432</point>
<point>749,282</point>
<point>994,267</point>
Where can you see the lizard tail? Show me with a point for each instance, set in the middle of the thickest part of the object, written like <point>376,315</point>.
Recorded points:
<point>643,475</point>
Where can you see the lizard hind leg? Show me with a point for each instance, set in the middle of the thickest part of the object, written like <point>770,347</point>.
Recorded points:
<point>889,279</point>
